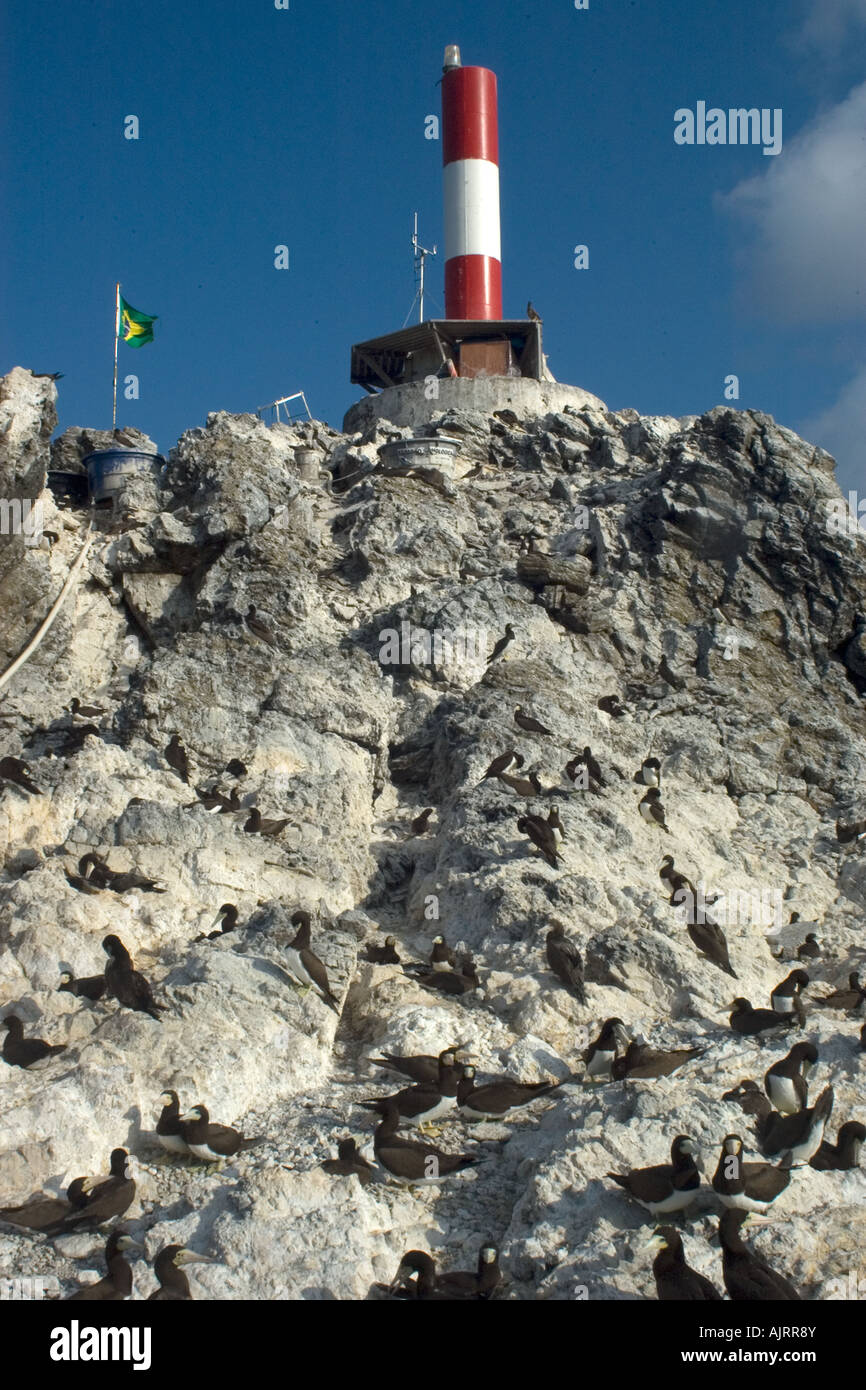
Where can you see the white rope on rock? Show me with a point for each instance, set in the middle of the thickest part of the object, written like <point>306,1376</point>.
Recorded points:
<point>52,612</point>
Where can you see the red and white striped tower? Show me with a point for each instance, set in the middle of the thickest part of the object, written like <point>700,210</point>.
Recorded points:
<point>470,154</point>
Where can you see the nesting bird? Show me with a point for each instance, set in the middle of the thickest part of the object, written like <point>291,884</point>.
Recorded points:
<point>747,1186</point>
<point>175,756</point>
<point>117,1284</point>
<point>409,1161</point>
<point>255,825</point>
<point>750,1022</point>
<point>417,1278</point>
<point>305,965</point>
<point>666,1187</point>
<point>213,1142</point>
<point>528,723</point>
<point>786,997</point>
<point>126,985</point>
<point>748,1278</point>
<point>497,1099</point>
<point>799,1134</point>
<point>168,1268</point>
<point>15,770</point>
<point>566,962</point>
<point>842,1155</point>
<point>848,999</point>
<point>785,1082</point>
<point>675,1281</point>
<point>91,987</point>
<point>384,955</point>
<point>652,810</point>
<point>600,1055</point>
<point>19,1051</point>
<point>642,1062</point>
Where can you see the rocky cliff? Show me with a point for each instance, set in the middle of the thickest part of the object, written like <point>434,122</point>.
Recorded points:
<point>687,568</point>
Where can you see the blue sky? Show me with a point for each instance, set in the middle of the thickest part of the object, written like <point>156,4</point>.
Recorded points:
<point>305,127</point>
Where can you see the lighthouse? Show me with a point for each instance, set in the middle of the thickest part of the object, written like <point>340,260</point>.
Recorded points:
<point>470,158</point>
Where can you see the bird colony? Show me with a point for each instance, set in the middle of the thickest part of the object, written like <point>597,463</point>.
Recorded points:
<point>335,970</point>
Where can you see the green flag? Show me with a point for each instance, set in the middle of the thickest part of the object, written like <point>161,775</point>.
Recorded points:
<point>135,327</point>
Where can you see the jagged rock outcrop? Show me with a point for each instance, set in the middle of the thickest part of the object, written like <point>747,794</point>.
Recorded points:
<point>685,567</point>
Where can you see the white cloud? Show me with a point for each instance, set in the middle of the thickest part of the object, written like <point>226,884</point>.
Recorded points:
<point>805,254</point>
<point>841,430</point>
<point>828,24</point>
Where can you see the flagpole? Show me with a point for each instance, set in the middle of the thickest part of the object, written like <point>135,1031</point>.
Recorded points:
<point>116,336</point>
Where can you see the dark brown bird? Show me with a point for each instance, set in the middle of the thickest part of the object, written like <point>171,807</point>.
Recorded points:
<point>528,724</point>
<point>749,1022</point>
<point>682,889</point>
<point>523,786</point>
<point>17,771</point>
<point>541,836</point>
<point>73,740</point>
<point>305,965</point>
<point>422,1069</point>
<point>417,1278</point>
<point>175,755</point>
<point>76,708</point>
<point>255,825</point>
<point>748,1278</point>
<point>785,1082</point>
<point>846,834</point>
<point>666,1187</point>
<point>786,997</point>
<point>168,1268</point>
<point>848,999</point>
<point>532,314</point>
<point>462,981</point>
<point>228,919</point>
<point>641,1062</point>
<point>503,761</point>
<point>117,1284</point>
<point>91,987</point>
<point>425,1101</point>
<point>495,1100</point>
<point>97,872</point>
<point>800,1134</point>
<point>747,1186</point>
<point>81,884</point>
<point>420,823</point>
<point>709,939</point>
<point>675,1281</point>
<point>384,955</point>
<point>216,802</point>
<point>349,1161</point>
<point>101,1199</point>
<point>503,642</point>
<point>748,1096</point>
<point>612,705</point>
<point>844,1154</point>
<point>48,376</point>
<point>810,948</point>
<point>258,628</point>
<point>126,985</point>
<point>555,823</point>
<point>566,962</point>
<point>19,1051</point>
<point>213,1142</point>
<point>236,768</point>
<point>442,956</point>
<point>408,1160</point>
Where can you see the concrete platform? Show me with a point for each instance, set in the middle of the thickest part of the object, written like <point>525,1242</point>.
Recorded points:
<point>407,406</point>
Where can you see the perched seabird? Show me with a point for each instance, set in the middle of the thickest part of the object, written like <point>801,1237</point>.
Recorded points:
<point>102,1199</point>
<point>650,772</point>
<point>384,955</point>
<point>258,628</point>
<point>417,1278</point>
<point>541,836</point>
<point>675,1281</point>
<point>577,770</point>
<point>256,826</point>
<point>80,711</point>
<point>420,823</point>
<point>462,981</point>
<point>126,985</point>
<point>168,1268</point>
<point>305,965</point>
<point>528,724</point>
<point>749,1022</point>
<point>845,1153</point>
<point>751,1101</point>
<point>211,1141</point>
<point>502,643</point>
<point>496,1100</point>
<point>846,834</point>
<point>216,803</point>
<point>91,987</point>
<point>593,766</point>
<point>117,1284</point>
<point>426,1101</point>
<point>566,962</point>
<point>801,1133</point>
<point>599,1056</point>
<point>710,940</point>
<point>682,888</point>
<point>236,768</point>
<point>19,1051</point>
<point>442,957</point>
<point>523,786</point>
<point>748,1278</point>
<point>350,1161</point>
<point>810,948</point>
<point>533,314</point>
<point>95,869</point>
<point>47,376</point>
<point>81,884</point>
<point>555,823</point>
<point>410,1161</point>
<point>848,999</point>
<point>423,1068</point>
<point>785,1082</point>
<point>652,810</point>
<point>747,1186</point>
<point>666,1187</point>
<point>17,771</point>
<point>641,1062</point>
<point>500,763</point>
<point>612,705</point>
<point>228,919</point>
<point>785,998</point>
<point>168,1129</point>
<point>175,755</point>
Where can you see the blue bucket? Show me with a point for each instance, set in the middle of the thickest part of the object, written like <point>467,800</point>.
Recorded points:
<point>109,470</point>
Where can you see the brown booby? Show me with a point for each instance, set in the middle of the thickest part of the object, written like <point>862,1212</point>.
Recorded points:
<point>442,957</point>
<point>168,1268</point>
<point>652,810</point>
<point>19,1051</point>
<point>168,1130</point>
<point>541,836</point>
<point>748,1278</point>
<point>258,628</point>
<point>349,1161</point>
<point>600,1054</point>
<point>682,888</point>
<point>215,802</point>
<point>801,1133</point>
<point>675,1281</point>
<point>641,1062</point>
<point>255,825</point>
<point>235,768</point>
<point>417,1278</point>
<point>228,919</point>
<point>73,740</point>
<point>809,949</point>
<point>496,1100</point>
<point>846,834</point>
<point>384,955</point>
<point>566,962</point>
<point>709,939</point>
<point>126,985</point>
<point>80,711</point>
<point>848,999</point>
<point>423,1068</point>
<point>500,763</point>
<point>842,1155</point>
<point>528,724</point>
<point>749,1022</point>
<point>503,642</point>
<point>91,987</point>
<point>426,1101</point>
<point>751,1101</point>
<point>96,870</point>
<point>81,884</point>
<point>555,823</point>
<point>650,773</point>
<point>612,705</point>
<point>17,771</point>
<point>748,1186</point>
<point>410,1161</point>
<point>786,1083</point>
<point>175,756</point>
<point>117,1284</point>
<point>102,1199</point>
<point>786,997</point>
<point>521,786</point>
<point>419,824</point>
<point>462,981</point>
<point>213,1142</point>
<point>305,965</point>
<point>666,1187</point>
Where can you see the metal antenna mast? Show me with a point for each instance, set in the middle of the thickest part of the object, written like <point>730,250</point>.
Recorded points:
<point>420,256</point>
